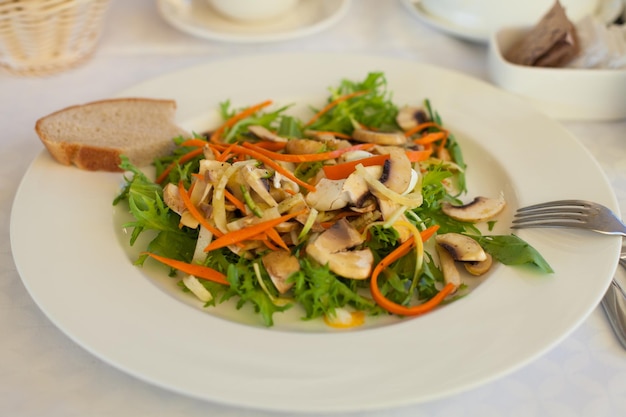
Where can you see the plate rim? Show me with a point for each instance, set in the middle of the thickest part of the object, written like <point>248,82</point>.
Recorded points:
<point>19,254</point>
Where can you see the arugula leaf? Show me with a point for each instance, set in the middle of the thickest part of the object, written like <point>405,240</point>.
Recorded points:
<point>145,202</point>
<point>244,284</point>
<point>320,291</point>
<point>373,109</point>
<point>511,250</point>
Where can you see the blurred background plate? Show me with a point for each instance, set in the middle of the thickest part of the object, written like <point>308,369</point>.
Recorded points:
<point>608,11</point>
<point>197,18</point>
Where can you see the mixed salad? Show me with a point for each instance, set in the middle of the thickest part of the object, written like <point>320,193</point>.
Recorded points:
<point>355,211</point>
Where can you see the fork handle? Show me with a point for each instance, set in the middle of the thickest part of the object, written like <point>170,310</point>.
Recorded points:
<point>614,305</point>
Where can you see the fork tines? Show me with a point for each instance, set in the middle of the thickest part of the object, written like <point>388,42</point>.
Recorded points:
<point>562,213</point>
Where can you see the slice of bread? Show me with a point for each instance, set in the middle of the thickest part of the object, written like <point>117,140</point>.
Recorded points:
<point>92,136</point>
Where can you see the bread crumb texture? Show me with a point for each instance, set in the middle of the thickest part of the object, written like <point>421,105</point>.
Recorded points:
<point>92,136</point>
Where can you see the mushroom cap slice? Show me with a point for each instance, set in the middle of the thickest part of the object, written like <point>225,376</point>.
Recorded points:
<point>479,268</point>
<point>265,134</point>
<point>280,265</point>
<point>461,247</point>
<point>380,138</point>
<point>331,248</point>
<point>397,171</point>
<point>448,267</point>
<point>328,195</point>
<point>479,210</point>
<point>409,117</point>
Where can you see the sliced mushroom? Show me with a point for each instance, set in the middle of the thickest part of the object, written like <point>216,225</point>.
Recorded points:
<point>356,187</point>
<point>448,267</point>
<point>461,247</point>
<point>408,117</point>
<point>332,246</point>
<point>380,138</point>
<point>479,268</point>
<point>397,171</point>
<point>265,134</point>
<point>479,210</point>
<point>280,265</point>
<point>328,195</point>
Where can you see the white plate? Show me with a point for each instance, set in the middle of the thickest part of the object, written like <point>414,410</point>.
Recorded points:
<point>197,18</point>
<point>608,11</point>
<point>73,263</point>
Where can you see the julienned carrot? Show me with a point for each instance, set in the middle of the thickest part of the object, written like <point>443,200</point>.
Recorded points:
<point>343,170</point>
<point>215,136</point>
<point>273,164</point>
<point>274,236</point>
<point>398,309</point>
<point>418,156</point>
<point>309,157</point>
<point>225,154</point>
<point>333,104</point>
<point>430,138</point>
<point>185,158</point>
<point>236,202</point>
<point>195,212</point>
<point>271,146</point>
<point>248,232</point>
<point>421,127</point>
<point>199,271</point>
<point>194,142</point>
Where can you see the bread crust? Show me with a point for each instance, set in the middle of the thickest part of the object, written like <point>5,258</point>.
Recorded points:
<point>106,157</point>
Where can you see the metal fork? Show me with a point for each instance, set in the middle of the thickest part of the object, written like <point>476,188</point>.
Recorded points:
<point>591,216</point>
<point>579,214</point>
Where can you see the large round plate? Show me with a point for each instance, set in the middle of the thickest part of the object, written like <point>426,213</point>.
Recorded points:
<point>70,257</point>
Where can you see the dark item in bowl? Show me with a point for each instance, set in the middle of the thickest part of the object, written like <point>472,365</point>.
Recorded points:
<point>553,42</point>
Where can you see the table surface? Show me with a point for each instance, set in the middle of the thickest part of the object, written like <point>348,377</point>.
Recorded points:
<point>44,373</point>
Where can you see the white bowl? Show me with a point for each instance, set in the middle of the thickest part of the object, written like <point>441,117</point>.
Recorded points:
<point>562,93</point>
<point>252,10</point>
<point>494,14</point>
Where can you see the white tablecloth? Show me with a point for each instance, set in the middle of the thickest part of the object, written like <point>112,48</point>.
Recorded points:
<point>44,373</point>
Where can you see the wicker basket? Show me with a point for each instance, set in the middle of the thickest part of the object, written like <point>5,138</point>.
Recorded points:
<point>40,37</point>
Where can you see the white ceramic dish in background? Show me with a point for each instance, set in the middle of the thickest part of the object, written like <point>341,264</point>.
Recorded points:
<point>562,93</point>
<point>493,14</point>
<point>607,11</point>
<point>197,18</point>
<point>252,10</point>
<point>76,265</point>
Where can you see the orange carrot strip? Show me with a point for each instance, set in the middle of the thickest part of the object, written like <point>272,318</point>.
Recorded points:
<point>226,154</point>
<point>421,127</point>
<point>195,212</point>
<point>343,170</point>
<point>199,271</point>
<point>309,157</point>
<point>417,156</point>
<point>389,305</point>
<point>430,138</point>
<point>274,236</point>
<point>185,158</point>
<point>333,104</point>
<point>248,232</point>
<point>271,146</point>
<point>215,136</point>
<point>194,142</point>
<point>236,202</point>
